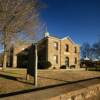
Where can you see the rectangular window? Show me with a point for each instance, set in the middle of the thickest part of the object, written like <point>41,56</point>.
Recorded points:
<point>66,48</point>
<point>55,59</point>
<point>56,45</point>
<point>75,49</point>
<point>75,60</point>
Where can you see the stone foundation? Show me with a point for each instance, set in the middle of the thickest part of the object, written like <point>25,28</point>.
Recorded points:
<point>88,93</point>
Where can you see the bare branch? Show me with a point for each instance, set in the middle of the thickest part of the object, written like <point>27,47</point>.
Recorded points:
<point>17,16</point>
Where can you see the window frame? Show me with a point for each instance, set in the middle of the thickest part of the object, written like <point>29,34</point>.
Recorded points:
<point>55,45</point>
<point>75,49</point>
<point>55,59</point>
<point>67,48</point>
<point>75,60</point>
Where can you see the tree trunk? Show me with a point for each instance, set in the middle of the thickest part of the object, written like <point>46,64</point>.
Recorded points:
<point>4,60</point>
<point>5,51</point>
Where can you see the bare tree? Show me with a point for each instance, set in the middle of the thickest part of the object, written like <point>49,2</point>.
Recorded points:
<point>91,51</point>
<point>85,50</point>
<point>16,17</point>
<point>96,47</point>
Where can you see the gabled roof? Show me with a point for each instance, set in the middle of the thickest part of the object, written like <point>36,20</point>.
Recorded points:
<point>68,38</point>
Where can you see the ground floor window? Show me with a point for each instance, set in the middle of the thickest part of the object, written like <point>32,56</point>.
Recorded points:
<point>55,57</point>
<point>67,61</point>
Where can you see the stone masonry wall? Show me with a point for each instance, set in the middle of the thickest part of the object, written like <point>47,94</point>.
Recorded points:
<point>62,53</point>
<point>89,93</point>
<point>70,54</point>
<point>17,49</point>
<point>53,52</point>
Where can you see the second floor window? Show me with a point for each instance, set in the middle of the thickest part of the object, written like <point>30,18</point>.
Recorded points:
<point>75,60</point>
<point>67,48</point>
<point>75,50</point>
<point>55,45</point>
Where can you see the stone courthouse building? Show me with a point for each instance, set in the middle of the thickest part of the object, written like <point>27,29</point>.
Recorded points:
<point>60,52</point>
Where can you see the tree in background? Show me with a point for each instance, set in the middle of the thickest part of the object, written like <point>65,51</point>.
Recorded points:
<point>17,18</point>
<point>86,50</point>
<point>96,47</point>
<point>91,51</point>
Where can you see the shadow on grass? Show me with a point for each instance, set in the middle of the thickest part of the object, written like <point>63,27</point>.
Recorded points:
<point>41,88</point>
<point>53,79</point>
<point>14,78</point>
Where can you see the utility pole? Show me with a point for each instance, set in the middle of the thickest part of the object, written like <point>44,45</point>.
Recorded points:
<point>36,65</point>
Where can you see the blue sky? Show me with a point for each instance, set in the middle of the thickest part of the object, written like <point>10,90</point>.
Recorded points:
<point>79,19</point>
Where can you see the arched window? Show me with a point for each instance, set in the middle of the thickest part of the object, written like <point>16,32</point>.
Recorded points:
<point>56,45</point>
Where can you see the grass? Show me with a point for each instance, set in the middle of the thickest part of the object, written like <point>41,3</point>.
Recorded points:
<point>15,80</point>
<point>14,72</point>
<point>2,78</point>
<point>12,85</point>
<point>93,68</point>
